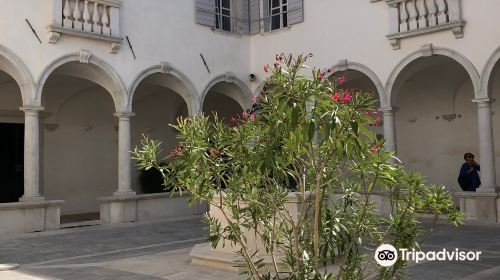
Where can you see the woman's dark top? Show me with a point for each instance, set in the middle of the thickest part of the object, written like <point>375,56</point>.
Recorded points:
<point>472,177</point>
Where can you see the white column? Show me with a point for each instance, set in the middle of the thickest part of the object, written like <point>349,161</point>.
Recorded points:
<point>390,129</point>
<point>486,145</point>
<point>31,155</point>
<point>124,159</point>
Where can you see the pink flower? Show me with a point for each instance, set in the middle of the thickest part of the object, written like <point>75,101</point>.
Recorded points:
<point>221,153</point>
<point>336,96</point>
<point>233,120</point>
<point>374,149</point>
<point>347,98</point>
<point>266,68</point>
<point>367,113</point>
<point>177,150</point>
<point>244,114</point>
<point>377,120</point>
<point>342,79</point>
<point>252,117</point>
<point>321,75</point>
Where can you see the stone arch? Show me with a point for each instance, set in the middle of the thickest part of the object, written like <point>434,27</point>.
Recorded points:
<point>427,51</point>
<point>190,97</point>
<point>345,65</point>
<point>487,74</point>
<point>11,64</point>
<point>100,73</point>
<point>244,100</point>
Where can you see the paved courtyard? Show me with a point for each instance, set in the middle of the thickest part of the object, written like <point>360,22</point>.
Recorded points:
<point>159,250</point>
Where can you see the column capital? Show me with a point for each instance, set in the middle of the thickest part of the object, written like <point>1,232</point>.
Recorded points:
<point>388,109</point>
<point>33,109</point>
<point>481,101</point>
<point>124,115</point>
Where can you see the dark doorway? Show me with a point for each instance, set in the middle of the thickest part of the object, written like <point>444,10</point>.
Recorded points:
<point>11,162</point>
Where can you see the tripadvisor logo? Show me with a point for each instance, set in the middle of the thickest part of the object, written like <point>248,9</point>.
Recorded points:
<point>386,255</point>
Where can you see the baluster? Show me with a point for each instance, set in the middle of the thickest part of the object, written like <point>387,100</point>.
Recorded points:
<point>105,21</point>
<point>412,11</point>
<point>86,17</point>
<point>96,28</point>
<point>442,11</point>
<point>454,10</point>
<point>422,14</point>
<point>114,21</point>
<point>67,21</point>
<point>403,17</point>
<point>431,7</point>
<point>77,15</point>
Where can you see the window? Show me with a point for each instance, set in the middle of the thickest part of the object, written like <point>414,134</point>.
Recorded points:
<point>223,15</point>
<point>278,14</point>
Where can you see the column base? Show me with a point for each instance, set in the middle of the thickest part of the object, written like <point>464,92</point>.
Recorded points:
<point>124,193</point>
<point>31,199</point>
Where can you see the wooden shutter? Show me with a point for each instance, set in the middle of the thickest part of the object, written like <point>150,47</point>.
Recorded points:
<point>244,16</point>
<point>266,19</point>
<point>295,11</point>
<point>254,9</point>
<point>205,12</point>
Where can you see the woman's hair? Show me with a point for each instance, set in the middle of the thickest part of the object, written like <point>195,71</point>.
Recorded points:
<point>468,154</point>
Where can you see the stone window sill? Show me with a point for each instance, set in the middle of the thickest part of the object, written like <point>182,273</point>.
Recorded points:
<point>55,32</point>
<point>455,26</point>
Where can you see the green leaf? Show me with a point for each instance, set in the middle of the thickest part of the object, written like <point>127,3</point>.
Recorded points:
<point>295,115</point>
<point>355,126</point>
<point>312,130</point>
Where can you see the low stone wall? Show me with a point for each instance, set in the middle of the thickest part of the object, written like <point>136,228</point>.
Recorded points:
<point>146,207</point>
<point>480,206</point>
<point>380,200</point>
<point>24,217</point>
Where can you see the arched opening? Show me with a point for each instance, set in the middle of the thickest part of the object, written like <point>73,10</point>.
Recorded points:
<point>355,81</point>
<point>436,122</point>
<point>78,139</point>
<point>493,87</point>
<point>158,101</point>
<point>225,99</point>
<point>11,140</point>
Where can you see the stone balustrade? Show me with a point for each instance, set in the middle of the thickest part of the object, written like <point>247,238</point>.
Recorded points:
<point>415,17</point>
<point>95,19</point>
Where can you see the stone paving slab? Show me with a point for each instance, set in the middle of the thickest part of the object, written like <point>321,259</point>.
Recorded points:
<point>159,250</point>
